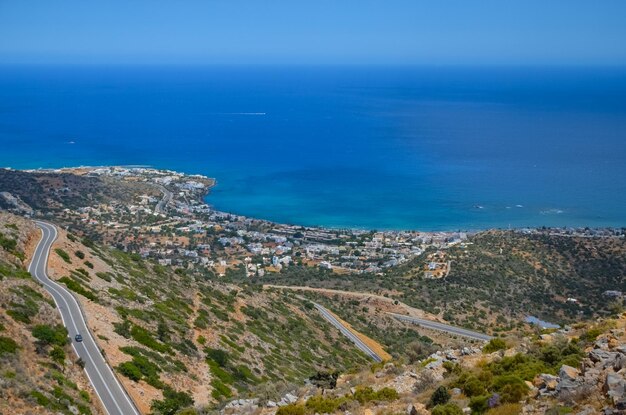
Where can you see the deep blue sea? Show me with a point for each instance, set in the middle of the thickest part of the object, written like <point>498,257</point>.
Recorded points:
<point>427,148</point>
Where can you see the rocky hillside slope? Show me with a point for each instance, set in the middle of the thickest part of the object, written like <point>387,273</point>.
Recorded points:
<point>497,278</point>
<point>39,373</point>
<point>181,340</point>
<point>579,370</point>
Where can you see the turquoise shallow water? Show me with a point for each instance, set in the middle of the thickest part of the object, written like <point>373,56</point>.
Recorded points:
<point>392,148</point>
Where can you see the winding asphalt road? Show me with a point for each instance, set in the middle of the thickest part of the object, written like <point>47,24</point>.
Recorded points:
<point>107,387</point>
<point>167,197</point>
<point>442,327</point>
<point>344,330</point>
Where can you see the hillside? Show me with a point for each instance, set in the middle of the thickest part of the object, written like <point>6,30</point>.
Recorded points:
<point>168,331</point>
<point>498,278</point>
<point>580,371</point>
<point>39,373</point>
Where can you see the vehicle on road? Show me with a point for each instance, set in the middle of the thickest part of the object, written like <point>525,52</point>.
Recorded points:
<point>78,338</point>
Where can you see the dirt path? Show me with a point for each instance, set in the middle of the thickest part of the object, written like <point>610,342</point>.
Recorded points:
<point>385,303</point>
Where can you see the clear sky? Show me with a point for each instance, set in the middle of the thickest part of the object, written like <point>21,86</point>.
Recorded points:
<point>576,32</point>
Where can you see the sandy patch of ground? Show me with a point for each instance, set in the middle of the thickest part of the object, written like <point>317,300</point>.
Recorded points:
<point>371,343</point>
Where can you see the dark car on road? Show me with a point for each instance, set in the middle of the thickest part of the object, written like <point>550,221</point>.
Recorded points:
<point>78,338</point>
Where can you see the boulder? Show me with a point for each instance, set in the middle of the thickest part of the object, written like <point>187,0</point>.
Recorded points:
<point>603,358</point>
<point>601,343</point>
<point>615,387</point>
<point>417,409</point>
<point>290,398</point>
<point>546,381</point>
<point>570,380</point>
<point>435,364</point>
<point>569,373</point>
<point>597,355</point>
<point>619,363</point>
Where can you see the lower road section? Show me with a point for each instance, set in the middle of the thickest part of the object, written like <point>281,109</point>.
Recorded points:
<point>442,327</point>
<point>107,387</point>
<point>344,330</point>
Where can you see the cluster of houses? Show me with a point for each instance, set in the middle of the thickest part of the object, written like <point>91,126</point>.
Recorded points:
<point>179,228</point>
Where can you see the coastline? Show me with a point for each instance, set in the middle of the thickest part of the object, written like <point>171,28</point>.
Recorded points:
<point>172,222</point>
<point>212,182</point>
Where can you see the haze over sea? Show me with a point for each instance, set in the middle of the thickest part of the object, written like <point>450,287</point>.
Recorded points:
<point>431,148</point>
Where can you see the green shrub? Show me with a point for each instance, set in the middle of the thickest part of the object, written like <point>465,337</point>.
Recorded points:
<point>364,394</point>
<point>57,354</point>
<point>23,312</point>
<point>440,396</point>
<point>79,289</point>
<point>80,254</point>
<point>220,389</point>
<point>104,275</point>
<point>7,346</point>
<point>219,356</point>
<point>446,409</point>
<point>40,398</point>
<point>291,409</point>
<point>367,394</point>
<point>320,404</point>
<point>144,337</point>
<point>513,392</point>
<point>84,396</point>
<point>219,372</point>
<point>131,371</point>
<point>64,255</point>
<point>173,402</point>
<point>494,345</point>
<point>123,328</point>
<point>48,335</point>
<point>479,404</point>
<point>88,264</point>
<point>386,394</point>
<point>473,387</point>
<point>8,244</point>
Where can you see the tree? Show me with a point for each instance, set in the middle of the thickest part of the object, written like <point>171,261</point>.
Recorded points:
<point>58,354</point>
<point>325,379</point>
<point>441,396</point>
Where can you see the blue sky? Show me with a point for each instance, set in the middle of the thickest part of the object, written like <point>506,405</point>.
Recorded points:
<point>318,31</point>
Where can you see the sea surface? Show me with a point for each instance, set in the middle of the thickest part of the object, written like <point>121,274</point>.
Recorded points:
<point>430,148</point>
